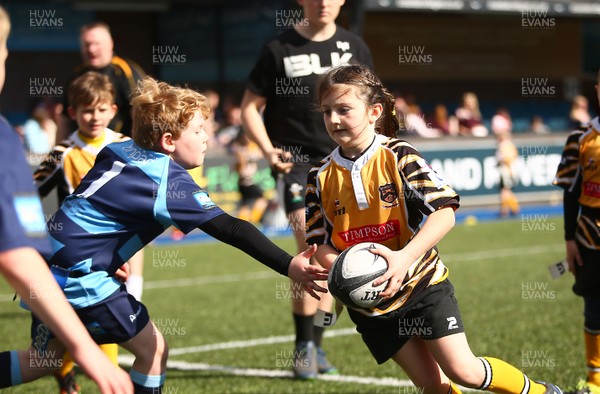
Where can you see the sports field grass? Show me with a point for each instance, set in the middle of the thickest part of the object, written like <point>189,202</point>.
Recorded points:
<point>228,322</point>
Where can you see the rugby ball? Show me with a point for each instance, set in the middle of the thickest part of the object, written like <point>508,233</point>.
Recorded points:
<point>352,275</point>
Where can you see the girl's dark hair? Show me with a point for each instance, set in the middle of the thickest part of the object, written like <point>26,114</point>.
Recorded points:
<point>370,89</point>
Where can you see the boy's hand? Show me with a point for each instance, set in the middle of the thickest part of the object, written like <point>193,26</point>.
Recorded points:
<point>302,272</point>
<point>398,266</point>
<point>573,256</point>
<point>122,273</point>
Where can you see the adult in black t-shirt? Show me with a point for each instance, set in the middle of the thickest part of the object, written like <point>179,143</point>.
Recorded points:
<point>292,135</point>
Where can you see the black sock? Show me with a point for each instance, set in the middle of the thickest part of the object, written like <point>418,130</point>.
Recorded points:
<point>318,335</point>
<point>139,389</point>
<point>5,375</point>
<point>304,328</point>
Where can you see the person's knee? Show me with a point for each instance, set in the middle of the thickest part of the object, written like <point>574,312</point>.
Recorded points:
<point>164,354</point>
<point>466,373</point>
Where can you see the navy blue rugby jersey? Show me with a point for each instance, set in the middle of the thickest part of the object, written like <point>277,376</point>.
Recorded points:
<point>127,199</point>
<point>22,221</point>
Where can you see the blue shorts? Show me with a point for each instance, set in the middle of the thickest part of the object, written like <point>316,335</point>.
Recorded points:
<point>115,319</point>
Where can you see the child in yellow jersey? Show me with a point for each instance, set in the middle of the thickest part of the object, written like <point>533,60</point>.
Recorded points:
<point>376,188</point>
<point>578,174</point>
<point>91,105</point>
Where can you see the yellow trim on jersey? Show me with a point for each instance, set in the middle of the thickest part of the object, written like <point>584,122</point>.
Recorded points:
<point>71,160</point>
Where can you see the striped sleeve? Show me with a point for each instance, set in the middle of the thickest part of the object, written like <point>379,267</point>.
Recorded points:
<point>49,173</point>
<point>423,185</point>
<point>568,169</point>
<point>315,232</point>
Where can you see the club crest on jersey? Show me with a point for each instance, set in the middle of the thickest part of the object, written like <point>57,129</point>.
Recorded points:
<point>204,200</point>
<point>338,210</point>
<point>388,193</point>
<point>591,165</point>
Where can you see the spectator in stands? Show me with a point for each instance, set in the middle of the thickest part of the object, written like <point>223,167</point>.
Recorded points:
<point>579,116</point>
<point>470,121</point>
<point>213,123</point>
<point>538,126</point>
<point>446,125</point>
<point>412,120</point>
<point>39,131</point>
<point>232,127</point>
<point>501,122</point>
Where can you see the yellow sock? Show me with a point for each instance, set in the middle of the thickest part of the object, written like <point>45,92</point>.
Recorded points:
<point>453,389</point>
<point>112,352</point>
<point>592,356</point>
<point>110,349</point>
<point>503,378</point>
<point>67,365</point>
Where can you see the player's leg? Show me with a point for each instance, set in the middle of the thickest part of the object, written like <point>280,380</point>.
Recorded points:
<point>150,350</point>
<point>135,281</point>
<point>592,342</point>
<point>422,369</point>
<point>66,376</point>
<point>122,319</point>
<point>458,362</point>
<point>587,286</point>
<point>304,309</point>
<point>259,204</point>
<point>43,358</point>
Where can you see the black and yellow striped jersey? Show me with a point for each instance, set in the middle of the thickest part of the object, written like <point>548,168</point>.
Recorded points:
<point>382,196</point>
<point>579,172</point>
<point>69,161</point>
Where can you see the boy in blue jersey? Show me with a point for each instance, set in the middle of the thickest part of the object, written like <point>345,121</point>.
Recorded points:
<point>22,238</point>
<point>94,233</point>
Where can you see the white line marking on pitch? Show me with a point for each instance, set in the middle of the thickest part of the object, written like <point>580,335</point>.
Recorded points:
<point>217,279</point>
<point>254,342</point>
<point>127,360</point>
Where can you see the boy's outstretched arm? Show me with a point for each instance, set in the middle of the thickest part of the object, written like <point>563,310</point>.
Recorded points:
<point>26,271</point>
<point>244,236</point>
